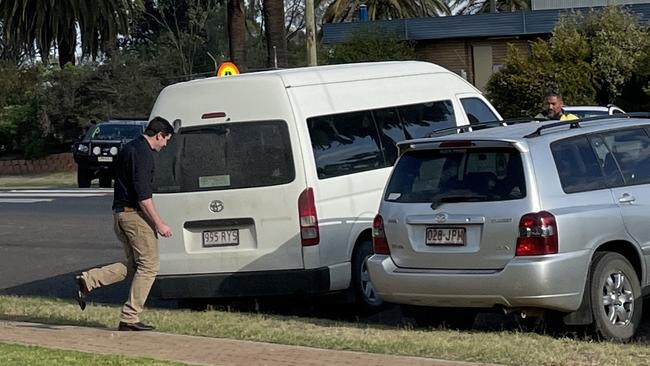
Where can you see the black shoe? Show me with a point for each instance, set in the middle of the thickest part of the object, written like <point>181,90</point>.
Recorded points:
<point>139,326</point>
<point>82,290</point>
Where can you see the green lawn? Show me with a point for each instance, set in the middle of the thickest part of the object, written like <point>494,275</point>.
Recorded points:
<point>17,355</point>
<point>45,180</point>
<point>503,347</point>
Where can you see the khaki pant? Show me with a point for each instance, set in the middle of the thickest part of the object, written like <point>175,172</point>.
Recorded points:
<point>142,262</point>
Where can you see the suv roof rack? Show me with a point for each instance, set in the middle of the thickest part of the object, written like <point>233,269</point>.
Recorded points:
<point>480,126</point>
<point>577,123</point>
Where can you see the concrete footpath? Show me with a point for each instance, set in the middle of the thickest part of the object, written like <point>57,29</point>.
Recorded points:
<point>195,350</point>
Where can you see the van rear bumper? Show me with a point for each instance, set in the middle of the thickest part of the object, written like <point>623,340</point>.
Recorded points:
<point>242,284</point>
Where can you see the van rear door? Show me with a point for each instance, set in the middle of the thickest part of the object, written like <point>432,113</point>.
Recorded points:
<point>230,193</point>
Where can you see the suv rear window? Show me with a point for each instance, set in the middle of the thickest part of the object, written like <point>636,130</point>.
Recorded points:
<point>477,174</point>
<point>225,156</point>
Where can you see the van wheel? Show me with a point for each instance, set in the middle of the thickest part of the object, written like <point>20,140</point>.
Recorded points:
<point>365,296</point>
<point>84,177</point>
<point>615,297</point>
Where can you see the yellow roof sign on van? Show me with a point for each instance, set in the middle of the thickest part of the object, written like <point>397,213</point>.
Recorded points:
<point>227,68</point>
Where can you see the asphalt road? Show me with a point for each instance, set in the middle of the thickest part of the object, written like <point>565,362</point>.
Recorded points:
<point>47,237</point>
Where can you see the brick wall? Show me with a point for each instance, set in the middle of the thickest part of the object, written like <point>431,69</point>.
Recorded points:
<point>456,54</point>
<point>52,163</point>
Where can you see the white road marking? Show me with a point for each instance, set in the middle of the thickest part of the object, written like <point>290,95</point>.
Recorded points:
<point>80,190</point>
<point>25,200</point>
<point>20,194</point>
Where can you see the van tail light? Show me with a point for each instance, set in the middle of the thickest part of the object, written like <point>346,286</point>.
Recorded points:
<point>309,232</point>
<point>537,234</point>
<point>379,242</point>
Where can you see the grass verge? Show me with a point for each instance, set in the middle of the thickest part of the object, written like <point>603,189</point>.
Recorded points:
<point>505,347</point>
<point>45,180</point>
<point>18,355</point>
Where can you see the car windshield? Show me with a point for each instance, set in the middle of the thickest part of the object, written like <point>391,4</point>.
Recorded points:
<point>114,132</point>
<point>586,113</point>
<point>457,175</point>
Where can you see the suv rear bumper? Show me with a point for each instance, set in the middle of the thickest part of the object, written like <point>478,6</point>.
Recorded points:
<point>240,284</point>
<point>552,282</point>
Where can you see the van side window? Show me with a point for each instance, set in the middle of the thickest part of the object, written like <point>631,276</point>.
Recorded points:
<point>345,143</point>
<point>390,132</point>
<point>477,111</point>
<point>421,119</point>
<point>577,165</point>
<point>353,142</point>
<point>631,151</point>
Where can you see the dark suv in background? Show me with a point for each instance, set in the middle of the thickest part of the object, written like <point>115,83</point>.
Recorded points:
<point>96,151</point>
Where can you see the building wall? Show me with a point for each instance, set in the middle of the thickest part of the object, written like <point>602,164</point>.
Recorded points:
<point>456,54</point>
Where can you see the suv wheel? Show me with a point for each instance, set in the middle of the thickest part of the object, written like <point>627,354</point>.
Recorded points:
<point>365,295</point>
<point>615,296</point>
<point>84,177</point>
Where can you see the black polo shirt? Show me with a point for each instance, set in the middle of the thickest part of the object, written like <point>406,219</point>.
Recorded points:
<point>133,174</point>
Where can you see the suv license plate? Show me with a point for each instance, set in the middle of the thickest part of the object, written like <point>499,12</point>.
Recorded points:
<point>445,236</point>
<point>218,238</point>
<point>105,158</point>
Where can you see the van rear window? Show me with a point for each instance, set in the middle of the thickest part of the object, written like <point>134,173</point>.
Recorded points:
<point>225,156</point>
<point>457,175</point>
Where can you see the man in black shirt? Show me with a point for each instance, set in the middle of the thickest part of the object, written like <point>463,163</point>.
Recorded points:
<point>136,223</point>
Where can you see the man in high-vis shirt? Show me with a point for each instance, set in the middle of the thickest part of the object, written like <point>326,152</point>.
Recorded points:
<point>553,108</point>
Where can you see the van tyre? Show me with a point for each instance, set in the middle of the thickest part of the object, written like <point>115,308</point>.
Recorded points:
<point>616,298</point>
<point>84,177</point>
<point>366,298</point>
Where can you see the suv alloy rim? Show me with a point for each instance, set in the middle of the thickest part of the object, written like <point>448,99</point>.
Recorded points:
<point>618,299</point>
<point>366,285</point>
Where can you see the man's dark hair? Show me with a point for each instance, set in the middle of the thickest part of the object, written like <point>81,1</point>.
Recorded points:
<point>159,124</point>
<point>552,92</point>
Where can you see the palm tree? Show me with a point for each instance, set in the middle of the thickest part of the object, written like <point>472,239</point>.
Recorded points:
<point>276,40</point>
<point>345,10</point>
<point>483,6</point>
<point>48,23</point>
<point>237,32</point>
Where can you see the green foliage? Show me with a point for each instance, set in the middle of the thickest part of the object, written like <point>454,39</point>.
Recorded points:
<point>590,59</point>
<point>42,108</point>
<point>617,43</point>
<point>519,87</point>
<point>366,46</point>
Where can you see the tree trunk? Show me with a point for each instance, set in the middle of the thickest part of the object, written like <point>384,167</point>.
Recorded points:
<point>276,41</point>
<point>66,42</point>
<point>237,33</point>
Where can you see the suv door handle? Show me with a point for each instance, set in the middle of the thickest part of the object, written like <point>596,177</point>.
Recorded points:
<point>626,198</point>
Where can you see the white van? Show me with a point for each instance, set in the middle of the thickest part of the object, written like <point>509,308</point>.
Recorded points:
<point>273,180</point>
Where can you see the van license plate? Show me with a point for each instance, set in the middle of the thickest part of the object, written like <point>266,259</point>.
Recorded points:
<point>105,158</point>
<point>219,238</point>
<point>445,236</point>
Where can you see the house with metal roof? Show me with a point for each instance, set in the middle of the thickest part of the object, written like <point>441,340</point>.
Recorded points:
<point>475,46</point>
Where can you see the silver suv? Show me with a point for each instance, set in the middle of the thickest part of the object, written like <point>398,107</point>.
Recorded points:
<point>529,218</point>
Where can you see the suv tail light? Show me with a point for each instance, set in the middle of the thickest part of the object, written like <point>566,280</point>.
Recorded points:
<point>309,232</point>
<point>379,242</point>
<point>537,234</point>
